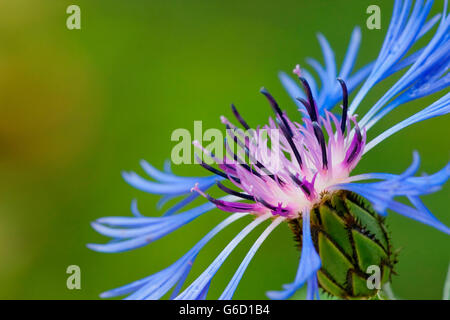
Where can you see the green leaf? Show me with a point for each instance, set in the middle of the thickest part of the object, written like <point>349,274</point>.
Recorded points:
<point>446,295</point>
<point>359,287</point>
<point>367,220</point>
<point>334,261</point>
<point>336,227</point>
<point>368,252</point>
<point>302,292</point>
<point>330,286</point>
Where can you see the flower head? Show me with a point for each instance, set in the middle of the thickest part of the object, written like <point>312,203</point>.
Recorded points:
<point>301,172</point>
<point>302,164</point>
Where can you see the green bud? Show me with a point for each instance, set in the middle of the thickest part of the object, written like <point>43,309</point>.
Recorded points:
<point>353,244</point>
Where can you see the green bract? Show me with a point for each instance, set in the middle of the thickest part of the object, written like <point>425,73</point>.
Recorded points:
<point>353,244</point>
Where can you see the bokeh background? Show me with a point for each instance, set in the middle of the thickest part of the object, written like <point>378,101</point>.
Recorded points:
<point>79,106</point>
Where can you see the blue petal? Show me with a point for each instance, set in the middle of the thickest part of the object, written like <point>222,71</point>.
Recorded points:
<point>204,292</point>
<point>421,214</point>
<point>330,66</point>
<point>438,108</point>
<point>181,281</point>
<point>164,200</point>
<point>136,232</point>
<point>156,285</point>
<point>170,188</point>
<point>227,294</point>
<point>403,32</point>
<point>196,289</point>
<point>157,174</point>
<point>292,88</point>
<point>167,166</point>
<point>352,53</point>
<point>187,200</point>
<point>381,194</point>
<point>432,61</point>
<point>313,288</point>
<point>134,209</point>
<point>155,289</point>
<point>330,92</point>
<point>128,221</point>
<point>309,263</point>
<point>401,35</point>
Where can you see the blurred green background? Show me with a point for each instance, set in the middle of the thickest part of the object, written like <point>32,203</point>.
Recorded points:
<point>79,106</point>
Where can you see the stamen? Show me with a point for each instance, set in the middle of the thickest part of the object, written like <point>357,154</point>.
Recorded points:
<point>321,139</point>
<point>304,102</point>
<point>207,196</point>
<point>284,125</point>
<point>356,146</point>
<point>235,193</point>
<point>291,144</point>
<point>229,206</point>
<point>240,161</point>
<point>214,170</point>
<point>247,152</point>
<point>197,144</point>
<point>352,153</point>
<point>297,70</point>
<point>277,210</point>
<point>304,188</point>
<point>277,109</point>
<point>240,143</point>
<point>344,104</point>
<point>312,111</point>
<point>207,152</point>
<point>226,122</point>
<point>239,118</point>
<point>358,133</point>
<point>219,203</point>
<point>280,210</point>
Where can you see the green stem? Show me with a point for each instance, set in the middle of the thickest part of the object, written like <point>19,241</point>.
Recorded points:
<point>387,290</point>
<point>446,295</point>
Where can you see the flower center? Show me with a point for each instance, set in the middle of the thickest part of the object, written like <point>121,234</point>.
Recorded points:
<point>286,166</point>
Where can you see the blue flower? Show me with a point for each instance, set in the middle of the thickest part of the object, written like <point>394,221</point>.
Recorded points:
<point>315,165</point>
